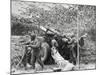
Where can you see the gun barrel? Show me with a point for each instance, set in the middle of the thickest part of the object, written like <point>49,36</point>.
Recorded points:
<point>43,28</point>
<point>50,29</point>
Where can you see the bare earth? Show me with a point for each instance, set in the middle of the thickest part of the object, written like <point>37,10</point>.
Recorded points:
<point>51,68</point>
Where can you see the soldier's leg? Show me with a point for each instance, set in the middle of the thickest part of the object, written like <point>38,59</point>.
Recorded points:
<point>33,62</point>
<point>24,60</point>
<point>40,61</point>
<point>72,56</point>
<point>33,59</point>
<point>25,57</point>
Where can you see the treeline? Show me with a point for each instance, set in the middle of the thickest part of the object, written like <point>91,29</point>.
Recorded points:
<point>87,20</point>
<point>58,17</point>
<point>23,26</point>
<point>64,19</point>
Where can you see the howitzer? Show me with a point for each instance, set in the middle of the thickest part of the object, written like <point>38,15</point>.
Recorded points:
<point>50,29</point>
<point>55,32</point>
<point>72,43</point>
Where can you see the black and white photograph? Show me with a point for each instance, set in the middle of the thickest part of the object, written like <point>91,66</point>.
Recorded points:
<point>52,37</point>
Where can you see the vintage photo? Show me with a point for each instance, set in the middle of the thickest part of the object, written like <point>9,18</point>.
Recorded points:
<point>52,37</point>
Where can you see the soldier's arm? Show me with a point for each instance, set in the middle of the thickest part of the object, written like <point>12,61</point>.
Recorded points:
<point>70,42</point>
<point>26,42</point>
<point>37,44</point>
<point>56,43</point>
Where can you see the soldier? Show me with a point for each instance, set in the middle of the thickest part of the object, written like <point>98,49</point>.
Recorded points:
<point>69,49</point>
<point>36,55</point>
<point>63,64</point>
<point>28,49</point>
<point>81,40</point>
<point>27,56</point>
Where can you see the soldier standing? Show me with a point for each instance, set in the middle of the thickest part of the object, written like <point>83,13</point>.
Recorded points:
<point>35,53</point>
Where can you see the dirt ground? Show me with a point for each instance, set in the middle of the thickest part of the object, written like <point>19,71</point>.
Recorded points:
<point>89,66</point>
<point>53,68</point>
<point>47,68</point>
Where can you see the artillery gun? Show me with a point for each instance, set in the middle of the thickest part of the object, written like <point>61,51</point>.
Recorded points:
<point>62,40</point>
<point>68,46</point>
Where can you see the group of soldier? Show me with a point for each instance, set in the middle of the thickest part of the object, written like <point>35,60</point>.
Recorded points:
<point>33,49</point>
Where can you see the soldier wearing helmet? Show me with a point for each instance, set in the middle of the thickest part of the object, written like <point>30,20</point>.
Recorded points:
<point>35,53</point>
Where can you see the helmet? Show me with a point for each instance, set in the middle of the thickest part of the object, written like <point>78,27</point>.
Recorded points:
<point>33,36</point>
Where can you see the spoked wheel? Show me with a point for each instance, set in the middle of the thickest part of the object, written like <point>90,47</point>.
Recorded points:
<point>44,51</point>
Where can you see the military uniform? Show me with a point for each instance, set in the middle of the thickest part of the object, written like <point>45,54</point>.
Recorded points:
<point>27,56</point>
<point>36,55</point>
